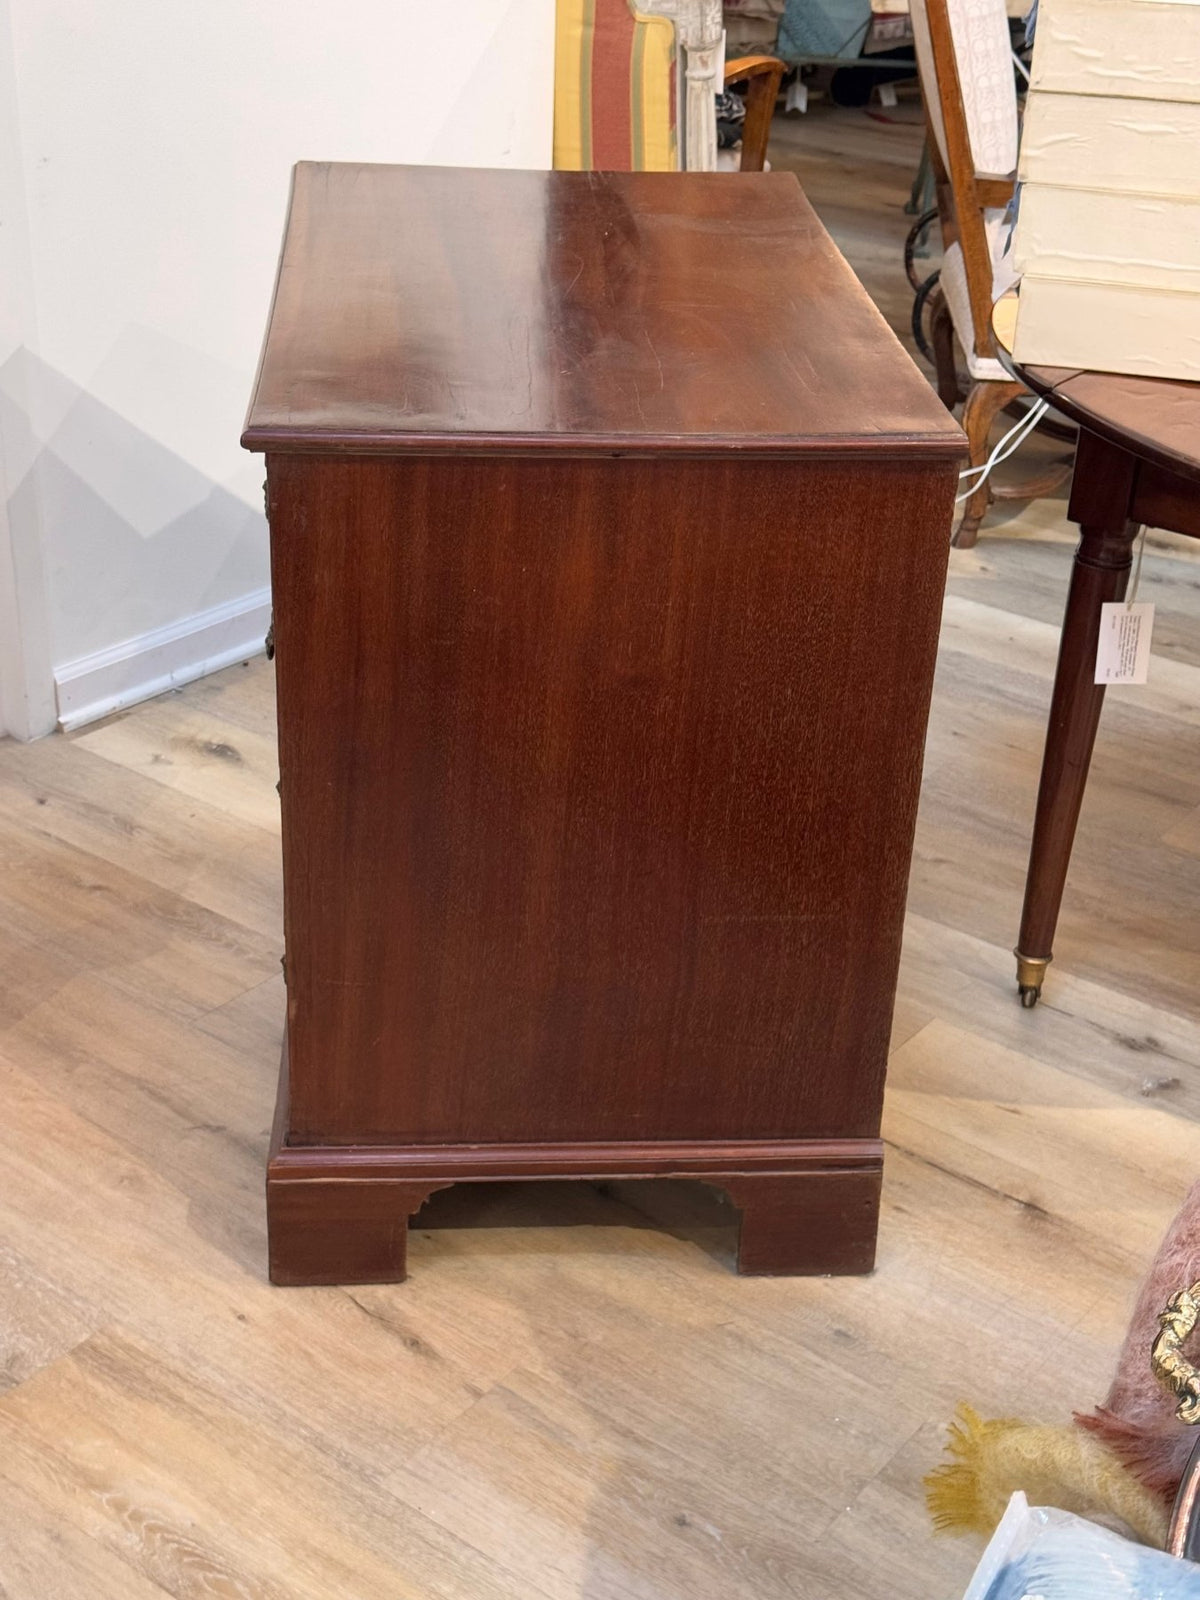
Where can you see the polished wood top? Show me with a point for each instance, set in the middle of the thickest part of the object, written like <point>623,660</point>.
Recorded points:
<point>1157,419</point>
<point>420,308</point>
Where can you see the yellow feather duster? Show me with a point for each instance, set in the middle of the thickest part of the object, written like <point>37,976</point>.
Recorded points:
<point>1056,1466</point>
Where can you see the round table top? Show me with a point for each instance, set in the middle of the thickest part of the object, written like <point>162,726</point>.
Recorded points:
<point>1157,419</point>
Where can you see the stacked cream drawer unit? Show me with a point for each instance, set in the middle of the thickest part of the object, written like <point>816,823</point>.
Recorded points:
<point>1108,228</point>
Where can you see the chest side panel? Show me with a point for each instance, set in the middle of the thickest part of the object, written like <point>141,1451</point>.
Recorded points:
<point>598,781</point>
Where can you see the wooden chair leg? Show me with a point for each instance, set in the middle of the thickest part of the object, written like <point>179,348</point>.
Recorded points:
<point>762,75</point>
<point>1055,475</point>
<point>983,402</point>
<point>941,332</point>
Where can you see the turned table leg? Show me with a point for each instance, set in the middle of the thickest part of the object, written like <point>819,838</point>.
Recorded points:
<point>1099,502</point>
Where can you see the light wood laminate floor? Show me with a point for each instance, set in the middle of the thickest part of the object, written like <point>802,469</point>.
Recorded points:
<point>565,1402</point>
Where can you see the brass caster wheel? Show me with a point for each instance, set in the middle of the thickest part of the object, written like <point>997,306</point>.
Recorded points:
<point>1031,974</point>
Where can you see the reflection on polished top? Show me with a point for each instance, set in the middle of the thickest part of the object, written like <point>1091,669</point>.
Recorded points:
<point>428,307</point>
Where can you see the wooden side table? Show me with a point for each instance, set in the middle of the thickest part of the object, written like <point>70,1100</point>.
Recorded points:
<point>1138,463</point>
<point>608,525</point>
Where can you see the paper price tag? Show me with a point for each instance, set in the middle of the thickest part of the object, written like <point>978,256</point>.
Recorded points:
<point>1123,650</point>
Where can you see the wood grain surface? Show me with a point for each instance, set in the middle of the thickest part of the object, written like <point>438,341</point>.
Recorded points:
<point>1160,417</point>
<point>598,783</point>
<point>421,308</point>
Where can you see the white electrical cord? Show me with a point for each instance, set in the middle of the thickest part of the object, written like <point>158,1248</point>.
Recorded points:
<point>1015,437</point>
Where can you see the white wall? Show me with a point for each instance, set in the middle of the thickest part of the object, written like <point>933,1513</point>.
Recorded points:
<point>156,139</point>
<point>26,679</point>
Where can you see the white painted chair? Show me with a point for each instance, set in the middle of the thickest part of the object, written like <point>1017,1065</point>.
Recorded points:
<point>698,29</point>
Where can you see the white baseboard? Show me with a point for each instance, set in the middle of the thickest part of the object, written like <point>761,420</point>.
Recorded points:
<point>137,669</point>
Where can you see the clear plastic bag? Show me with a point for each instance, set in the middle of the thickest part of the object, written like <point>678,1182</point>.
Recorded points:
<point>1038,1553</point>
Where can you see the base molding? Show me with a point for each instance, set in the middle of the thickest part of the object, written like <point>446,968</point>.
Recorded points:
<point>623,1158</point>
<point>165,658</point>
<point>810,1220</point>
<point>340,1214</point>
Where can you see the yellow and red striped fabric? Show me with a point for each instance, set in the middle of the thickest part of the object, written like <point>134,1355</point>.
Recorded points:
<point>614,89</point>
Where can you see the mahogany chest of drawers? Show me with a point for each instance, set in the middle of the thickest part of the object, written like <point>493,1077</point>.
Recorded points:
<point>609,528</point>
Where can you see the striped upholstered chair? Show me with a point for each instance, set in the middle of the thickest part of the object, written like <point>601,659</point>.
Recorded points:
<point>617,65</point>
